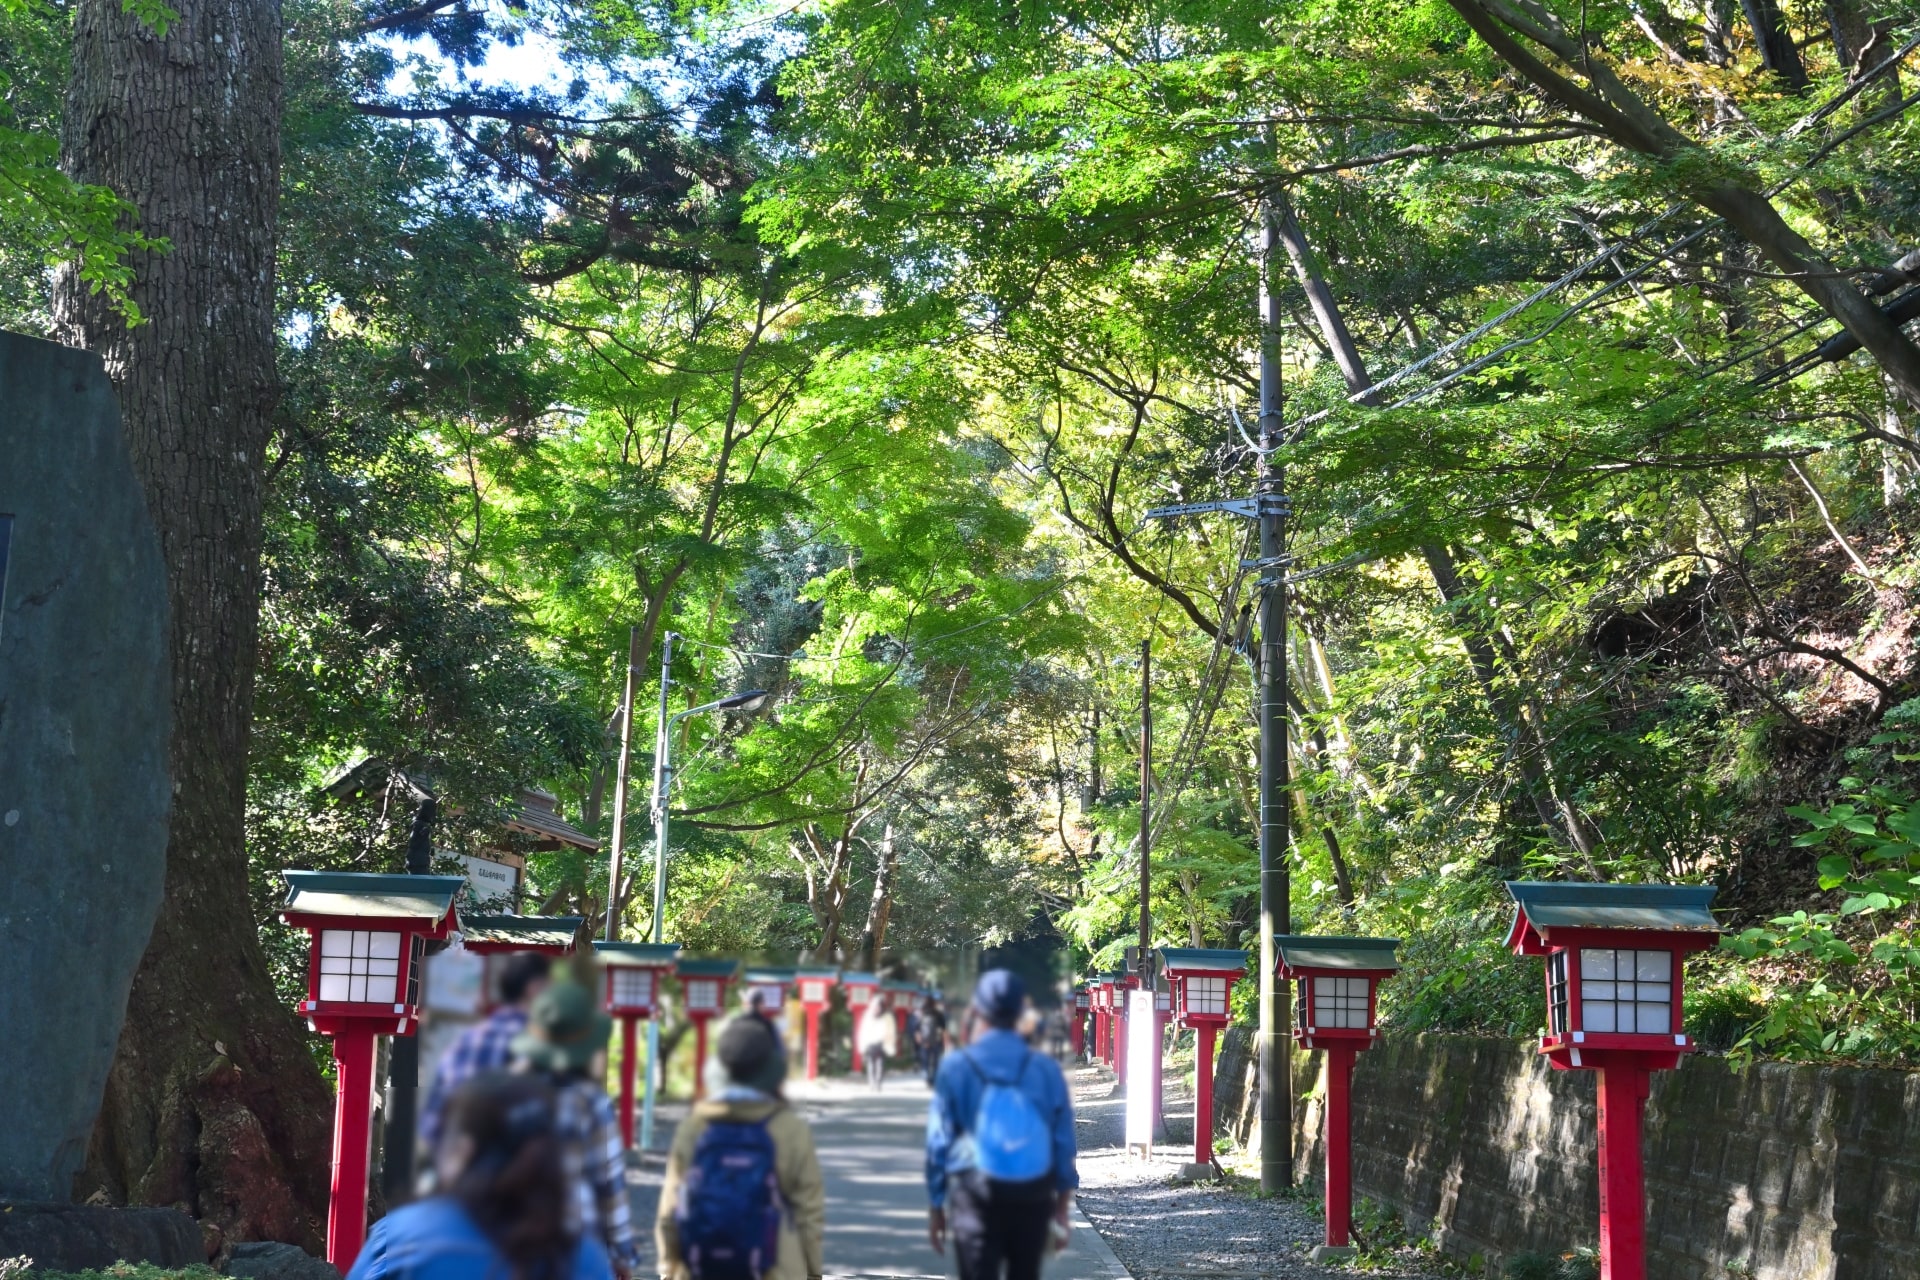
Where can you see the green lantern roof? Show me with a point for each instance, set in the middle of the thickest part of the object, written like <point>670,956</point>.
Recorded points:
<point>370,896</point>
<point>898,984</point>
<point>828,972</point>
<point>716,968</point>
<point>1201,958</point>
<point>767,975</point>
<point>1671,908</point>
<point>1309,951</point>
<point>523,931</point>
<point>637,955</point>
<point>853,978</point>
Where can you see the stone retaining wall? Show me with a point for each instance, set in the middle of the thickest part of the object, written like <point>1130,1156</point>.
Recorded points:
<point>1774,1172</point>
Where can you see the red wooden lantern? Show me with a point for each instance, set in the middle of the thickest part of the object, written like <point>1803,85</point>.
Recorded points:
<point>492,936</point>
<point>703,987</point>
<point>1201,980</point>
<point>901,996</point>
<point>1339,981</point>
<point>1118,982</point>
<point>1077,1026</point>
<point>816,992</point>
<point>1615,955</point>
<point>635,974</point>
<point>368,934</point>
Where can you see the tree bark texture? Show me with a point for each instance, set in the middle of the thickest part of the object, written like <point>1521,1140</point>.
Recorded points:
<point>214,1103</point>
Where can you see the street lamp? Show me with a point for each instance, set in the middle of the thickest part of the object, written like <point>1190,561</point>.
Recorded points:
<point>750,700</point>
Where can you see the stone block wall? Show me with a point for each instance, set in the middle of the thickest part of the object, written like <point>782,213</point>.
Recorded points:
<point>1775,1172</point>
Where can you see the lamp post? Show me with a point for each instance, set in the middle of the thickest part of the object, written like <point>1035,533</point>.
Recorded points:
<point>1339,981</point>
<point>751,700</point>
<point>1615,954</point>
<point>368,934</point>
<point>816,986</point>
<point>703,988</point>
<point>634,974</point>
<point>1201,981</point>
<point>860,990</point>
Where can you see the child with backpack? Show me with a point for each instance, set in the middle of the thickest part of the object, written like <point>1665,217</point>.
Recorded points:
<point>744,1198</point>
<point>1000,1145</point>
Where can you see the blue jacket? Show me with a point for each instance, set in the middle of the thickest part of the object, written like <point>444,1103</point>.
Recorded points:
<point>436,1240</point>
<point>956,1100</point>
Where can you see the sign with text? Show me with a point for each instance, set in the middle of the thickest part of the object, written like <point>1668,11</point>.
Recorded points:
<point>489,880</point>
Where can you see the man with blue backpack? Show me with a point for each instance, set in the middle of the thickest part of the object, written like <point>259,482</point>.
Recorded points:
<point>1000,1145</point>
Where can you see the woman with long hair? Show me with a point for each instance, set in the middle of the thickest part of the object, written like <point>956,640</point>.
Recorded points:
<point>506,1211</point>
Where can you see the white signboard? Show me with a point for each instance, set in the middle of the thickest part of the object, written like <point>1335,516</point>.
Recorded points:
<point>488,879</point>
<point>1143,1071</point>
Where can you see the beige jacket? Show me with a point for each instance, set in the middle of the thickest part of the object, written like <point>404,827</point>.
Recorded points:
<point>796,1165</point>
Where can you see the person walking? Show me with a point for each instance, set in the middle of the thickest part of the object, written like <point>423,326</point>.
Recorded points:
<point>744,1195</point>
<point>505,1209</point>
<point>484,1047</point>
<point>878,1040</point>
<point>564,1045</point>
<point>930,1037</point>
<point>1000,1147</point>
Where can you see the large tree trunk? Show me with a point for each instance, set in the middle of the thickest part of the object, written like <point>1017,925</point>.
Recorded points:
<point>873,939</point>
<point>214,1102</point>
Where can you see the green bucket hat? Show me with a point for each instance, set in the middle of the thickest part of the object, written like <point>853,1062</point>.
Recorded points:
<point>565,1028</point>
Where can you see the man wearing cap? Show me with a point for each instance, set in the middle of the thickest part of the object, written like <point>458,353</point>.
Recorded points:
<point>998,1228</point>
<point>566,1035</point>
<point>752,1068</point>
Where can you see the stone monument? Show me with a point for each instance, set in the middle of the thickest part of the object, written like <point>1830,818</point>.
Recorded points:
<point>84,720</point>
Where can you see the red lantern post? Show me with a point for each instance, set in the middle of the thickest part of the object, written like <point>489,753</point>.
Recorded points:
<point>816,992</point>
<point>902,996</point>
<point>368,934</point>
<point>1077,1028</point>
<point>492,936</point>
<point>1336,1010</point>
<point>703,986</point>
<point>1119,982</point>
<point>860,989</point>
<point>1615,956</point>
<point>1201,980</point>
<point>635,973</point>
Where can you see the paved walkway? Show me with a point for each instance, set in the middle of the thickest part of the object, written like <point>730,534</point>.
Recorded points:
<point>871,1149</point>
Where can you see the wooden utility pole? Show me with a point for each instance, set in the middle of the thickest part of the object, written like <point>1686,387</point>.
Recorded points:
<point>1276,1093</point>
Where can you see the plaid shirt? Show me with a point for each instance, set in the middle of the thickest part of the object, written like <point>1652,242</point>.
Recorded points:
<point>596,1161</point>
<point>483,1047</point>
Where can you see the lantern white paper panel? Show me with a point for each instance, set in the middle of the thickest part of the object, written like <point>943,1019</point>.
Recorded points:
<point>702,993</point>
<point>813,991</point>
<point>359,966</point>
<point>1207,995</point>
<point>633,988</point>
<point>1626,991</point>
<point>1340,1002</point>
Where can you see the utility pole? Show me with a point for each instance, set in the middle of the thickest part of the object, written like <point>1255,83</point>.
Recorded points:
<point>1269,506</point>
<point>1146,813</point>
<point>612,930</point>
<point>1276,1092</point>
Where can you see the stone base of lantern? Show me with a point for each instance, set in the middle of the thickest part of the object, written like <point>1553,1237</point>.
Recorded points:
<point>1332,1253</point>
<point>1197,1173</point>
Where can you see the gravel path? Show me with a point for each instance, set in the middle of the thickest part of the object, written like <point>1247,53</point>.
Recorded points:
<point>1161,1227</point>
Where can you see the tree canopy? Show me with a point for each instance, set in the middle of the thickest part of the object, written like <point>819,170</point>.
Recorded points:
<point>851,342</point>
